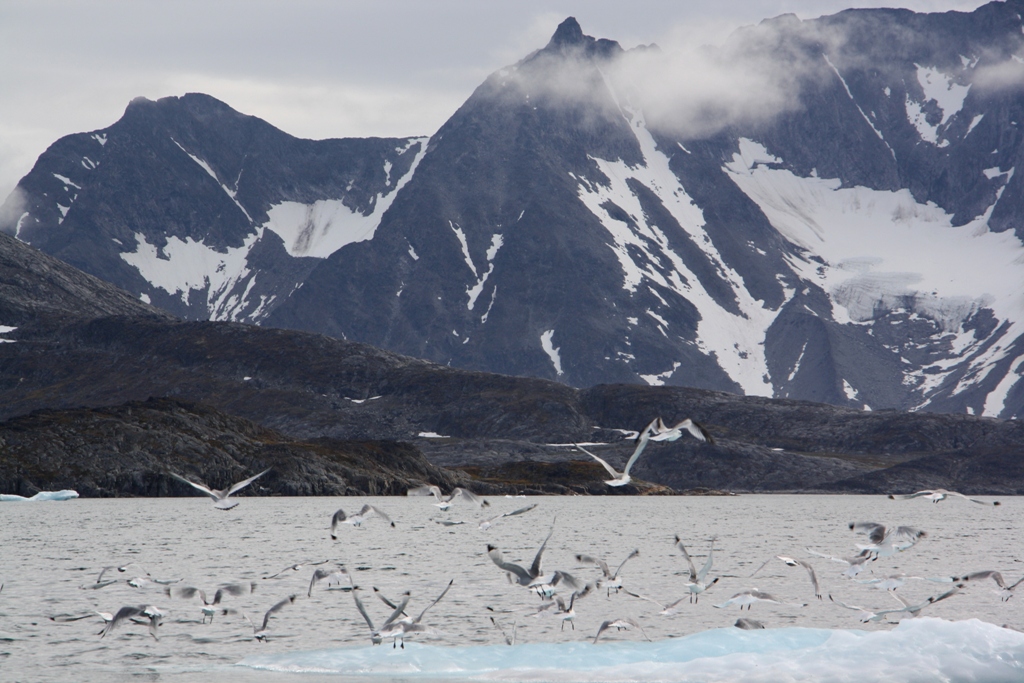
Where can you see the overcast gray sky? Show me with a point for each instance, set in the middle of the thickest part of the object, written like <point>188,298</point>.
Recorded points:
<point>314,68</point>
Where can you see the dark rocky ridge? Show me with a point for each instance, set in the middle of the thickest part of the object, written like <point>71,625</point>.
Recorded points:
<point>309,387</point>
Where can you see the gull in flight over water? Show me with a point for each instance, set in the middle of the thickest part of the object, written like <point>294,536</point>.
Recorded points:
<point>655,431</point>
<point>795,563</point>
<point>659,431</point>
<point>296,567</point>
<point>524,577</point>
<point>620,624</point>
<point>444,502</point>
<point>209,608</point>
<point>868,615</point>
<point>221,497</point>
<point>488,523</point>
<point>698,579</point>
<point>935,495</point>
<point>128,611</point>
<point>669,610</point>
<point>748,597</point>
<point>357,520</point>
<point>398,628</point>
<point>887,542</point>
<point>854,565</point>
<point>611,579</point>
<point>1006,591</point>
<point>260,633</point>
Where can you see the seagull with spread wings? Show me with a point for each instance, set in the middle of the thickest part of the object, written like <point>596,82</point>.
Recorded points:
<point>220,497</point>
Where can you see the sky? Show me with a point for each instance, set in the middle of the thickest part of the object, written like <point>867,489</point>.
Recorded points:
<point>313,68</point>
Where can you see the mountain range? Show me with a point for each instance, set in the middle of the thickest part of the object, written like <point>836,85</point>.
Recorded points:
<point>851,236</point>
<point>823,266</point>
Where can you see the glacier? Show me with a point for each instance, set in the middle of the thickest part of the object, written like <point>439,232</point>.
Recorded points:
<point>919,650</point>
<point>65,494</point>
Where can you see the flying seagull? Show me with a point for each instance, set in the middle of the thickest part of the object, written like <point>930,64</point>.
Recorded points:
<point>488,523</point>
<point>935,495</point>
<point>260,633</point>
<point>398,628</point>
<point>1006,591</point>
<point>296,567</point>
<point>621,624</point>
<point>887,542</point>
<point>611,579</point>
<point>524,577</point>
<point>444,502</point>
<point>209,606</point>
<point>128,611</point>
<point>364,513</point>
<point>660,432</point>
<point>795,563</point>
<point>620,478</point>
<point>698,579</point>
<point>854,565</point>
<point>220,497</point>
<point>748,597</point>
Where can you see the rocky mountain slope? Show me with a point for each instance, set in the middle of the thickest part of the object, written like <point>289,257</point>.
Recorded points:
<point>844,230</point>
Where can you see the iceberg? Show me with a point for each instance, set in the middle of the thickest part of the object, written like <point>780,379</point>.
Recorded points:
<point>66,494</point>
<point>918,650</point>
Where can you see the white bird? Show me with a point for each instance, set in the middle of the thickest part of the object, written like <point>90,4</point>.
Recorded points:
<point>1006,591</point>
<point>698,580</point>
<point>795,563</point>
<point>620,478</point>
<point>566,614</point>
<point>444,502</point>
<point>375,639</point>
<point>153,614</point>
<point>524,577</point>
<point>854,565</point>
<point>887,542</point>
<point>894,581</point>
<point>220,497</point>
<point>660,432</point>
<point>669,610</point>
<point>296,567</point>
<point>748,597</point>
<point>260,633</point>
<point>333,576</point>
<point>357,520</point>
<point>621,624</point>
<point>209,607</point>
<point>908,608</point>
<point>611,579</point>
<point>935,495</point>
<point>398,628</point>
<point>488,523</point>
<point>508,640</point>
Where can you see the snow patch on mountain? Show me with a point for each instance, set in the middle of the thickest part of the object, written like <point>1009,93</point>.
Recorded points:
<point>183,266</point>
<point>551,350</point>
<point>321,228</point>
<point>946,93</point>
<point>644,253</point>
<point>474,292</point>
<point>877,251</point>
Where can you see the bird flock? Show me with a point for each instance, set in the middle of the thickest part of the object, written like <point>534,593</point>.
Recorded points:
<point>542,592</point>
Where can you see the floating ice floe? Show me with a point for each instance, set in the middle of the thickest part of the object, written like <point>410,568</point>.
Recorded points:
<point>66,494</point>
<point>915,651</point>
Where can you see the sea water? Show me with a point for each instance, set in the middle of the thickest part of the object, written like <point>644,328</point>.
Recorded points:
<point>48,550</point>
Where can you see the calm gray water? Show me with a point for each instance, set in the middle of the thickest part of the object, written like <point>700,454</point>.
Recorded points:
<point>49,549</point>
